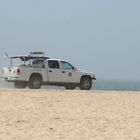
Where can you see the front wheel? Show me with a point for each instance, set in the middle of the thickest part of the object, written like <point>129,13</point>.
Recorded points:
<point>35,82</point>
<point>86,83</point>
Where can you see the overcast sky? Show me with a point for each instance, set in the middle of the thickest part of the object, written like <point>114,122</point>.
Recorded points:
<point>102,36</point>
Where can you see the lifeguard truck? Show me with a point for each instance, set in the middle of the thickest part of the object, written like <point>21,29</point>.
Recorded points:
<point>36,69</point>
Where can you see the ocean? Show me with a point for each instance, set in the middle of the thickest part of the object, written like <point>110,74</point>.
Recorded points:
<point>117,85</point>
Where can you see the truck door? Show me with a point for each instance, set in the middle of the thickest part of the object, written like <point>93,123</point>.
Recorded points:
<point>55,73</point>
<point>70,74</point>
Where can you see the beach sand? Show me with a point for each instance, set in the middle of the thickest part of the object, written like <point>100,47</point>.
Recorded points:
<point>69,115</point>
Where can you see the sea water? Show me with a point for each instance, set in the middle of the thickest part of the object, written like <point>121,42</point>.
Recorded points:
<point>117,85</point>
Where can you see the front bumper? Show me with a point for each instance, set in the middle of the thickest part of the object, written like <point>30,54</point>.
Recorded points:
<point>93,78</point>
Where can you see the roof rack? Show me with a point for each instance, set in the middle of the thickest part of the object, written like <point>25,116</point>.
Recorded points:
<point>32,55</point>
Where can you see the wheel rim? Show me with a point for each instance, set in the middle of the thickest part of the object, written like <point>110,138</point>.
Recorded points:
<point>36,83</point>
<point>86,84</point>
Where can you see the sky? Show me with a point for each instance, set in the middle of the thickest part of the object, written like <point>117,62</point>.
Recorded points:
<point>101,36</point>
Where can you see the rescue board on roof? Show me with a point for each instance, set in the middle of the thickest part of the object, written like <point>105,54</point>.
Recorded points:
<point>37,53</point>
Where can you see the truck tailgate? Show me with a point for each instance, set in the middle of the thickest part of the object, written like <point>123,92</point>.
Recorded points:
<point>10,71</point>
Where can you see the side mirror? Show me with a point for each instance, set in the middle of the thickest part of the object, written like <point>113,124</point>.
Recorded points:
<point>73,68</point>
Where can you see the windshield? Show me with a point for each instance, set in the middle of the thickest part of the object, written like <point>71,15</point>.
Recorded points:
<point>66,65</point>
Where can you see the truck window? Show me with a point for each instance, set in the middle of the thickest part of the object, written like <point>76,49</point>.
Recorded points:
<point>66,65</point>
<point>53,64</point>
<point>38,63</point>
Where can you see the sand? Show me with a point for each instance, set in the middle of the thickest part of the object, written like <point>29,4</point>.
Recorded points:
<point>69,115</point>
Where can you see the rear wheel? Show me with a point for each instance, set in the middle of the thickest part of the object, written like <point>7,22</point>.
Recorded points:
<point>35,82</point>
<point>86,83</point>
<point>20,85</point>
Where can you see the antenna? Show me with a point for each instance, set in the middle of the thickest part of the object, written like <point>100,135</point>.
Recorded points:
<point>6,54</point>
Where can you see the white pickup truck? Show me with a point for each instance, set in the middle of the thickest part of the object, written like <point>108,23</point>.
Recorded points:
<point>34,71</point>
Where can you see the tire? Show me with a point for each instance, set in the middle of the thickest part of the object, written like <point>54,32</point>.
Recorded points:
<point>35,82</point>
<point>20,85</point>
<point>86,83</point>
<point>70,86</point>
